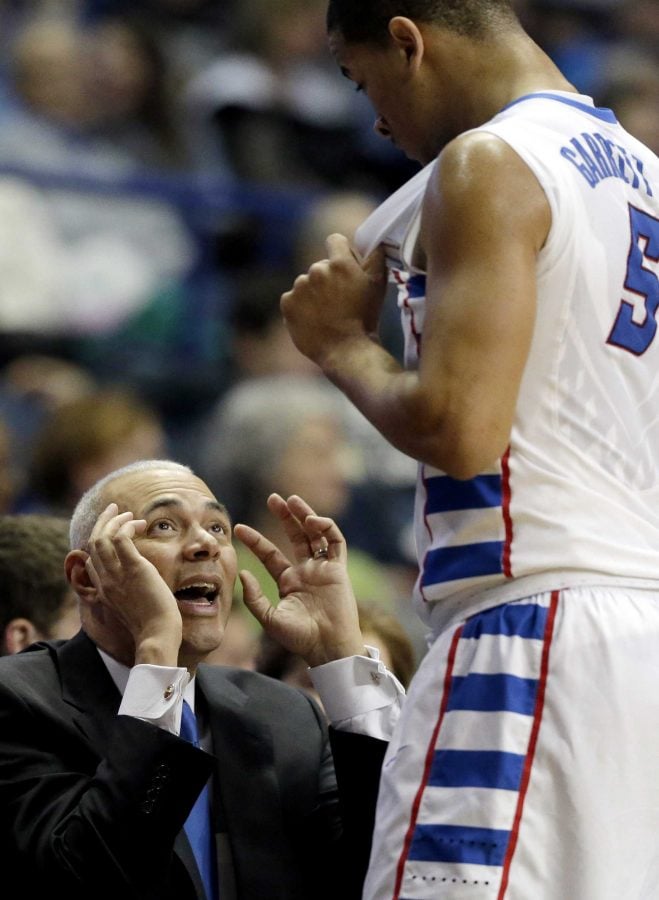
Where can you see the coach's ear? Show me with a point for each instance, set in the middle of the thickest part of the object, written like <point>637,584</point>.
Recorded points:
<point>77,574</point>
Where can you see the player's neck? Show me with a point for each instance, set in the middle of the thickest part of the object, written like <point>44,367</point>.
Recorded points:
<point>523,68</point>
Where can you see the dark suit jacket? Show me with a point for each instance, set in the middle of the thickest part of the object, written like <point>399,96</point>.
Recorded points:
<point>93,804</point>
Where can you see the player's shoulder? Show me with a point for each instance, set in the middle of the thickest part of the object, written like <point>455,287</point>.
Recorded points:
<point>481,180</point>
<point>474,154</point>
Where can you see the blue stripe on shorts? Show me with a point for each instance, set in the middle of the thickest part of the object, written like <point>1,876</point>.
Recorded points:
<point>476,768</point>
<point>493,693</point>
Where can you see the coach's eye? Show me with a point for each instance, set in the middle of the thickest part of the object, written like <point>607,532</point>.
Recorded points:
<point>161,526</point>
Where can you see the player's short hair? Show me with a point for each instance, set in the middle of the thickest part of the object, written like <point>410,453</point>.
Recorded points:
<point>367,21</point>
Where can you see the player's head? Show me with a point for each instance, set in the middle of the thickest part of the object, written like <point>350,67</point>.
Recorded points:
<point>368,21</point>
<point>422,63</point>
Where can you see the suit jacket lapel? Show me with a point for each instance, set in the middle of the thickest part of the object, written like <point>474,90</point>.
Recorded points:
<point>88,687</point>
<point>247,797</point>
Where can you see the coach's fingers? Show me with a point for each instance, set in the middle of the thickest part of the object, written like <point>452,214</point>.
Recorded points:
<point>264,550</point>
<point>254,598</point>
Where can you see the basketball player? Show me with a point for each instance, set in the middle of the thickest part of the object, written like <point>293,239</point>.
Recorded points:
<point>526,761</point>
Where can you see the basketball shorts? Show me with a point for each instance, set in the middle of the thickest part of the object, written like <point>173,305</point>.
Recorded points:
<point>525,764</point>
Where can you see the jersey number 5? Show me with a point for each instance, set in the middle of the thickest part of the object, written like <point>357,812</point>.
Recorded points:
<point>641,280</point>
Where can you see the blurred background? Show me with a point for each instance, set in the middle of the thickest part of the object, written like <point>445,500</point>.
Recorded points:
<point>167,167</point>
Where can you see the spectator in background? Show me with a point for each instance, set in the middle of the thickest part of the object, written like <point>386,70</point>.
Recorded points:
<point>190,33</point>
<point>575,37</point>
<point>50,124</point>
<point>339,210</point>
<point>635,101</point>
<point>384,631</point>
<point>636,26</point>
<point>276,110</point>
<point>36,601</point>
<point>7,478</point>
<point>46,380</point>
<point>82,255</point>
<point>260,342</point>
<point>83,440</point>
<point>286,434</point>
<point>134,89</point>
<point>32,387</point>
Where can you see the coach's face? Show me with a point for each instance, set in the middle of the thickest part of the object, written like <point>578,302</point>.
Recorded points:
<point>188,539</point>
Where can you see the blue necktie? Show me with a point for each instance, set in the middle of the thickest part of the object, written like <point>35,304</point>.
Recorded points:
<point>198,824</point>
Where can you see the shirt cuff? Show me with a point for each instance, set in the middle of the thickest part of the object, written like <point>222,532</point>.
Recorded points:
<point>155,694</point>
<point>356,685</point>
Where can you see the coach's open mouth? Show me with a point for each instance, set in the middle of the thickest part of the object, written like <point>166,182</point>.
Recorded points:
<point>194,593</point>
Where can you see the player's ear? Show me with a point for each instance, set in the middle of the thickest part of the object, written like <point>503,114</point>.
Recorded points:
<point>408,38</point>
<point>77,574</point>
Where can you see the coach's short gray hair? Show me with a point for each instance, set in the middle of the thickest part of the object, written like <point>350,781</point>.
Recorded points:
<point>93,501</point>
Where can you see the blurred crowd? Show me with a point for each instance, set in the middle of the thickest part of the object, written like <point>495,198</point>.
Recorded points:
<point>167,167</point>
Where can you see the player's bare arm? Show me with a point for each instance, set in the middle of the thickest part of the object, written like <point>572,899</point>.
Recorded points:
<point>485,219</point>
<point>484,222</point>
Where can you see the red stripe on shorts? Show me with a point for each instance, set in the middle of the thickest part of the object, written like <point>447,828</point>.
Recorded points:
<point>450,663</point>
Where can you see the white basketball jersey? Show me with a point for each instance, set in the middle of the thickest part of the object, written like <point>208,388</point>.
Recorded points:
<point>575,499</point>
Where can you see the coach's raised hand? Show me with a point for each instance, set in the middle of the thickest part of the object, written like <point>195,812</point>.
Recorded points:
<point>316,616</point>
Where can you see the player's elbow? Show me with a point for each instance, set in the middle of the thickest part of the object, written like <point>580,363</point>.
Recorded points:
<point>461,439</point>
<point>463,452</point>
